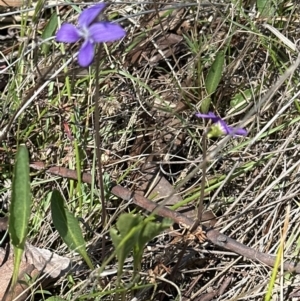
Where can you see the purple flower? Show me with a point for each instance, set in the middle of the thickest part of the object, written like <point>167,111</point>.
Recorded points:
<point>91,32</point>
<point>220,127</point>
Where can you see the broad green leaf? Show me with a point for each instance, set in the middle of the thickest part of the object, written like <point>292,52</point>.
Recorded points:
<point>151,229</point>
<point>127,221</point>
<point>148,231</point>
<point>48,32</point>
<point>132,235</point>
<point>213,79</point>
<point>68,227</point>
<point>19,211</point>
<point>215,73</point>
<point>21,199</point>
<point>125,238</point>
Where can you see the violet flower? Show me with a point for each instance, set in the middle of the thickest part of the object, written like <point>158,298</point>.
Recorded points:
<point>91,32</point>
<point>220,127</point>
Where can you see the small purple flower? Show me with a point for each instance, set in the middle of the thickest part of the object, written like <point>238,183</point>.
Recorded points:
<point>91,32</point>
<point>220,127</point>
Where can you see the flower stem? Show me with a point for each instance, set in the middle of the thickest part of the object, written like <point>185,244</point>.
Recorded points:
<point>98,150</point>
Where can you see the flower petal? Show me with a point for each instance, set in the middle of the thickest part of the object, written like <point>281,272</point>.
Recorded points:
<point>68,33</point>
<point>102,32</point>
<point>86,54</point>
<point>209,115</point>
<point>239,132</point>
<point>90,14</point>
<point>228,130</point>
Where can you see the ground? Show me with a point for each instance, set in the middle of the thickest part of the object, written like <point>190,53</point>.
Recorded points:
<point>237,59</point>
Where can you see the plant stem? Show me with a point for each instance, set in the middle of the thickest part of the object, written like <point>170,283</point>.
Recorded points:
<point>98,150</point>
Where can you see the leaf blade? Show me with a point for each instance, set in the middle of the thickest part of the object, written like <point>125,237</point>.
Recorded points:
<point>215,73</point>
<point>19,212</point>
<point>68,227</point>
<point>213,79</point>
<point>48,32</point>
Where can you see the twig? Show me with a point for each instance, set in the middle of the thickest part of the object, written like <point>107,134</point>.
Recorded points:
<point>212,235</point>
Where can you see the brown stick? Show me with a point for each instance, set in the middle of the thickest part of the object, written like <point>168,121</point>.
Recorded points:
<point>214,236</point>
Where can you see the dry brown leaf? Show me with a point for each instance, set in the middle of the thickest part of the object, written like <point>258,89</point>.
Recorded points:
<point>11,3</point>
<point>46,261</point>
<point>36,262</point>
<point>6,271</point>
<point>164,47</point>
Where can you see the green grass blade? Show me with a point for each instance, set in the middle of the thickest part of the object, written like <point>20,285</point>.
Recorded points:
<point>19,211</point>
<point>55,299</point>
<point>68,227</point>
<point>279,256</point>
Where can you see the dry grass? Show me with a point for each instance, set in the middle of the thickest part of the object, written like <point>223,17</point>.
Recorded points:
<point>151,85</point>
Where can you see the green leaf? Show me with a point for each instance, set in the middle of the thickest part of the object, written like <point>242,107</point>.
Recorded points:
<point>68,227</point>
<point>149,230</point>
<point>266,8</point>
<point>125,239</point>
<point>240,101</point>
<point>55,299</point>
<point>240,98</point>
<point>205,105</point>
<point>19,212</point>
<point>213,79</point>
<point>134,232</point>
<point>215,73</point>
<point>21,199</point>
<point>48,32</point>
